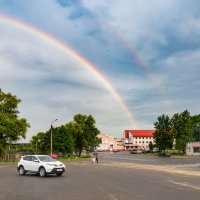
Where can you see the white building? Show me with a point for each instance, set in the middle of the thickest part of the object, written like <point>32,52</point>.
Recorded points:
<point>193,149</point>
<point>138,139</point>
<point>108,143</point>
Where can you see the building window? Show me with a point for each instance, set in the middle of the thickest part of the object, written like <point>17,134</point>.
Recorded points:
<point>196,149</point>
<point>139,141</point>
<point>147,141</point>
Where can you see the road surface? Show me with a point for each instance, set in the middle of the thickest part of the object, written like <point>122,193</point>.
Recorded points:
<point>134,177</point>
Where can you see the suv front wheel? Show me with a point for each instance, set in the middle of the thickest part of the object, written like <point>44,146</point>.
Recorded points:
<point>42,172</point>
<point>21,171</point>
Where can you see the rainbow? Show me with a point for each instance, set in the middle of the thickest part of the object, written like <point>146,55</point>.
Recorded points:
<point>137,57</point>
<point>59,44</point>
<point>145,66</point>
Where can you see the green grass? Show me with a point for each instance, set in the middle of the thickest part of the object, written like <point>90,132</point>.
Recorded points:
<point>74,158</point>
<point>8,161</point>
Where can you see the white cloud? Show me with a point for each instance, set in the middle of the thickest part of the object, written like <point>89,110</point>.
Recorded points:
<point>180,78</point>
<point>52,84</point>
<point>165,33</point>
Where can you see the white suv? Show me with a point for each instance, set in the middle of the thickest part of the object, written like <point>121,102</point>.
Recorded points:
<point>40,164</point>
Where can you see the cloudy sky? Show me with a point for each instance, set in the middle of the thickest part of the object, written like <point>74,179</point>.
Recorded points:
<point>124,62</point>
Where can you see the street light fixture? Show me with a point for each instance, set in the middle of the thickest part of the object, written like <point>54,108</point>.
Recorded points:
<point>51,133</point>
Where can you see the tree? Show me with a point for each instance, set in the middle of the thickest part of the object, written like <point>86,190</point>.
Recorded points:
<point>63,140</point>
<point>38,141</point>
<point>163,136</point>
<point>72,137</point>
<point>182,129</point>
<point>85,133</point>
<point>195,122</point>
<point>12,128</point>
<point>151,145</point>
<point>43,141</point>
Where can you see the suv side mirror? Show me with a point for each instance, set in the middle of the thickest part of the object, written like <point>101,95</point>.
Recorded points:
<point>36,161</point>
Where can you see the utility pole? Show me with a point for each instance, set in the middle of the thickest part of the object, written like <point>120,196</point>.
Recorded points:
<point>51,134</point>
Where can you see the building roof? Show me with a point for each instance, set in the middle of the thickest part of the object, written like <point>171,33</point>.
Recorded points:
<point>104,135</point>
<point>139,133</point>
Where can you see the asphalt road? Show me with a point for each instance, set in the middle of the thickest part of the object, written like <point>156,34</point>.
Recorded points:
<point>111,179</point>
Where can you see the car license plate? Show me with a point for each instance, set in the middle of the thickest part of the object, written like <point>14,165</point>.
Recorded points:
<point>59,170</point>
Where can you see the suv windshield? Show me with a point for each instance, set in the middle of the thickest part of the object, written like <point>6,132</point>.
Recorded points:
<point>46,159</point>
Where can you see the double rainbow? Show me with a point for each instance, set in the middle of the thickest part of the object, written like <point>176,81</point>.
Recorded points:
<point>61,45</point>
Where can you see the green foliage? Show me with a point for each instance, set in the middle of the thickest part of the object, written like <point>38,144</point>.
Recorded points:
<point>177,153</point>
<point>195,122</point>
<point>85,133</point>
<point>85,156</point>
<point>39,143</point>
<point>151,145</point>
<point>179,130</point>
<point>163,136</point>
<point>72,137</point>
<point>182,129</point>
<point>62,140</point>
<point>12,128</point>
<point>20,147</point>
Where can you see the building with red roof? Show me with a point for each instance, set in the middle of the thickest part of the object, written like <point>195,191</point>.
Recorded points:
<point>138,139</point>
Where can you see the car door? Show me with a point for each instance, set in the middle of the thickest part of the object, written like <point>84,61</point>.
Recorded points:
<point>34,164</point>
<point>27,160</point>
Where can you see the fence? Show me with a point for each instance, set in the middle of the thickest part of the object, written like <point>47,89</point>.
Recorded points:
<point>14,156</point>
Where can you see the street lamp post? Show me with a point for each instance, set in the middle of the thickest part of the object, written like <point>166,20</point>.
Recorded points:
<point>51,133</point>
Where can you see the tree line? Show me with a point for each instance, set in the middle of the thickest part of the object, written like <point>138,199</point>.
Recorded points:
<point>176,131</point>
<point>81,133</point>
<point>73,137</point>
<point>12,128</point>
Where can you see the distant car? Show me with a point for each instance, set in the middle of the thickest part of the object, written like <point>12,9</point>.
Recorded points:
<point>146,151</point>
<point>135,151</point>
<point>40,164</point>
<point>155,151</point>
<point>164,154</point>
